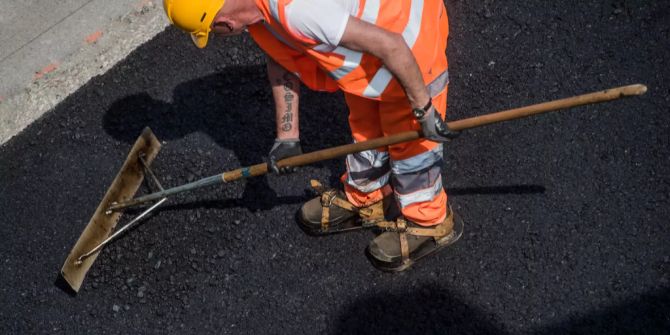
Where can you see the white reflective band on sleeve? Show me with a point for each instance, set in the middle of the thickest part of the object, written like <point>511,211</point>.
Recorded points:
<point>353,58</point>
<point>274,9</point>
<point>418,162</point>
<point>410,34</point>
<point>424,195</point>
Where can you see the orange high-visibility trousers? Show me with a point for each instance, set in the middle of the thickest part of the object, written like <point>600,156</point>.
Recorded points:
<point>412,169</point>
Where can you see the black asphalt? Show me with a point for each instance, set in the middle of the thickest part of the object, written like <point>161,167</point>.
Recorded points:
<point>566,215</point>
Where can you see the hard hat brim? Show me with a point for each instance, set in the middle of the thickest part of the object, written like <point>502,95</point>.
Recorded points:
<point>200,39</point>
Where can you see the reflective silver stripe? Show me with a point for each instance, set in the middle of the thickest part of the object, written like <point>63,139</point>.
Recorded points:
<point>418,162</point>
<point>438,84</point>
<point>413,27</point>
<point>382,78</point>
<point>323,48</point>
<point>352,59</point>
<point>367,159</point>
<point>279,37</point>
<point>416,181</point>
<point>368,170</point>
<point>378,83</point>
<point>367,186</point>
<point>371,11</point>
<point>423,195</point>
<point>274,9</point>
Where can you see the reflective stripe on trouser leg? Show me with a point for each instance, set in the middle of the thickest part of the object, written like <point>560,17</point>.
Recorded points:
<point>368,172</point>
<point>416,166</point>
<point>419,190</point>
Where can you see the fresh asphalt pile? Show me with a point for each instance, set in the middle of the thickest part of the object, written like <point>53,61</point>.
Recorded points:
<point>566,214</point>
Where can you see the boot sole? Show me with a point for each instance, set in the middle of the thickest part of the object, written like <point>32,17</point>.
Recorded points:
<point>424,251</point>
<point>342,227</point>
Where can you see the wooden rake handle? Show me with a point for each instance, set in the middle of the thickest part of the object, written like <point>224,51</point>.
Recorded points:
<point>473,122</point>
<point>330,153</point>
<point>551,106</point>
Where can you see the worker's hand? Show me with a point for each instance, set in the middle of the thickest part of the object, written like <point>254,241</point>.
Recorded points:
<point>283,148</point>
<point>432,125</point>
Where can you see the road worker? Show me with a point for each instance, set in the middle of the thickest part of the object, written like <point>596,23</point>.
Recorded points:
<point>389,59</point>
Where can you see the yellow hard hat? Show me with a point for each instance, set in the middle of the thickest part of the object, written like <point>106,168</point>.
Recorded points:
<point>193,16</point>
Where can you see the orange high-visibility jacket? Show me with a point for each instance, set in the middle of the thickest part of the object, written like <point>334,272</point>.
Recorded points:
<point>423,24</point>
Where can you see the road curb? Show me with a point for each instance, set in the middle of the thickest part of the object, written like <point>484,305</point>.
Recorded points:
<point>102,50</point>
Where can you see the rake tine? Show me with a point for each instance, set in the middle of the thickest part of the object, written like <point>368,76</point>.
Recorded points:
<point>119,232</point>
<point>133,222</point>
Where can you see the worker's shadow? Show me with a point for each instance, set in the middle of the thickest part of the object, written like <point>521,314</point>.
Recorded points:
<point>234,107</point>
<point>434,309</point>
<point>427,309</point>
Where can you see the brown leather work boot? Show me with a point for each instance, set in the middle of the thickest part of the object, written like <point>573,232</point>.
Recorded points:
<point>331,212</point>
<point>311,214</point>
<point>386,250</point>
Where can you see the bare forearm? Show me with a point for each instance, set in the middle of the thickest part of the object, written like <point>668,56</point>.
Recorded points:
<point>286,95</point>
<point>400,61</point>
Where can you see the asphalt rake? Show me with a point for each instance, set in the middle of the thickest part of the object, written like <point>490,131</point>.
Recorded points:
<point>100,230</point>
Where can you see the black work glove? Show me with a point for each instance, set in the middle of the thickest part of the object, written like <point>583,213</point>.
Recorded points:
<point>283,148</point>
<point>432,125</point>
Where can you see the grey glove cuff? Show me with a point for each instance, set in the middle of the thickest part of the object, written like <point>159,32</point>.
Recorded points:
<point>280,141</point>
<point>432,125</point>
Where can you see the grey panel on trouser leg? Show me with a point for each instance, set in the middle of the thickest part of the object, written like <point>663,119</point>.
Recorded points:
<point>418,186</point>
<point>368,171</point>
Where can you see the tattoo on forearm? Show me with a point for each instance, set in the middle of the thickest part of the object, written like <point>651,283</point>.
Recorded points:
<point>287,118</point>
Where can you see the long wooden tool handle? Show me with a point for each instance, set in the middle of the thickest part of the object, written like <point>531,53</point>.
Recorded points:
<point>322,155</point>
<point>330,153</point>
<point>580,100</point>
<point>477,121</point>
